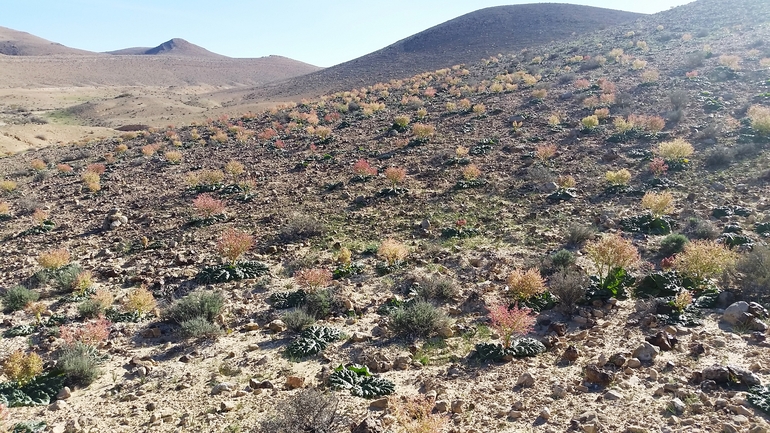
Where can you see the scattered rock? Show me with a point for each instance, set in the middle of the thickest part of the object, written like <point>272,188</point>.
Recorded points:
<point>368,425</point>
<point>571,354</point>
<point>59,405</point>
<point>251,326</point>
<point>597,376</point>
<point>613,395</point>
<point>380,403</point>
<point>545,413</point>
<point>664,340</point>
<point>442,406</point>
<point>634,363</point>
<point>677,406</point>
<point>359,337</point>
<point>646,352</point>
<point>226,406</point>
<point>64,394</point>
<point>277,326</point>
<point>294,382</point>
<point>558,391</point>
<point>458,406</point>
<point>222,387</point>
<point>525,380</point>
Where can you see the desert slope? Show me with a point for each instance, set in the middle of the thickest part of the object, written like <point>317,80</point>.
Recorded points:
<point>16,43</point>
<point>468,38</point>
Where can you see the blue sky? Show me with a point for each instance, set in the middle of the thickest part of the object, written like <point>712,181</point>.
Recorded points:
<point>322,33</point>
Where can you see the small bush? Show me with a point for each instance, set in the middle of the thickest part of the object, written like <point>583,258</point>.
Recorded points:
<point>299,227</point>
<point>199,327</point>
<point>618,178</point>
<point>140,300</point>
<point>675,150</point>
<point>701,229</point>
<point>207,206</point>
<point>562,259</point>
<point>298,320</point>
<point>79,364</point>
<point>321,303</point>
<point>511,322</point>
<point>578,234</point>
<point>658,203</point>
<point>755,269</point>
<point>437,287</point>
<point>90,309</point>
<point>395,175</point>
<point>392,251</point>
<point>673,244</point>
<point>415,415</point>
<point>703,260</point>
<point>760,119</point>
<point>590,122</point>
<point>16,298</point>
<point>612,252</point>
<point>525,284</point>
<point>417,319</point>
<point>309,410</point>
<point>54,259</point>
<point>313,279</point>
<point>570,287</point>
<point>206,305</point>
<point>21,367</point>
<point>232,244</point>
<point>719,157</point>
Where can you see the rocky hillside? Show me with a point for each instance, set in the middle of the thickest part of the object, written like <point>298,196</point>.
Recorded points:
<point>569,238</point>
<point>467,38</point>
<point>173,47</point>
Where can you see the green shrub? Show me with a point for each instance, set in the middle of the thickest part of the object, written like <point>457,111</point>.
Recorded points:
<point>562,259</point>
<point>298,320</point>
<point>673,244</point>
<point>578,234</point>
<point>300,226</point>
<point>16,298</point>
<point>417,319</point>
<point>90,309</point>
<point>309,410</point>
<point>570,287</point>
<point>79,364</point>
<point>199,327</point>
<point>321,303</point>
<point>206,305</point>
<point>701,229</point>
<point>436,287</point>
<point>755,267</point>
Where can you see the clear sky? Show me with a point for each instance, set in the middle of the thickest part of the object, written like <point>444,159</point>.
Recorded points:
<point>319,32</point>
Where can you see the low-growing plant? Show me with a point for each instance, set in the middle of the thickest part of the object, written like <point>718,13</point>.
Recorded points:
<point>232,244</point>
<point>658,167</point>
<point>234,168</point>
<point>511,322</point>
<point>80,364</point>
<point>173,156</point>
<point>755,271</point>
<point>298,319</point>
<point>436,286</point>
<point>201,304</point>
<point>703,260</point>
<point>207,206</point>
<point>310,410</point>
<point>140,300</point>
<point>17,297</point>
<point>22,367</point>
<point>5,209</point>
<point>658,203</point>
<point>760,119</point>
<point>525,284</point>
<point>471,172</point>
<point>392,252</point>
<point>92,333</point>
<point>618,178</point>
<point>313,279</point>
<point>611,252</point>
<point>364,169</point>
<point>417,319</point>
<point>590,122</point>
<point>415,415</point>
<point>199,327</point>
<point>7,186</point>
<point>423,132</point>
<point>54,259</point>
<point>570,287</point>
<point>395,175</point>
<point>674,150</point>
<point>673,244</point>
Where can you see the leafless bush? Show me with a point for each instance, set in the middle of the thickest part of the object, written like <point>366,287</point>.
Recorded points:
<point>308,411</point>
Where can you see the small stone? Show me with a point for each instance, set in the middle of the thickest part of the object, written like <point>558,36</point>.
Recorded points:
<point>558,391</point>
<point>636,429</point>
<point>58,405</point>
<point>525,380</point>
<point>545,413</point>
<point>442,406</point>
<point>739,410</point>
<point>613,395</point>
<point>755,367</point>
<point>64,394</point>
<point>458,406</point>
<point>251,326</point>
<point>646,352</point>
<point>729,428</point>
<point>515,414</point>
<point>735,313</point>
<point>597,376</point>
<point>590,428</point>
<point>222,387</point>
<point>294,382</point>
<point>571,353</point>
<point>277,326</point>
<point>677,405</point>
<point>446,332</point>
<point>226,406</point>
<point>359,337</point>
<point>634,363</point>
<point>380,403</point>
<point>755,324</point>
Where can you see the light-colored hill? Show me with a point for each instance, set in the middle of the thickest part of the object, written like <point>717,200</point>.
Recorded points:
<point>173,47</point>
<point>16,43</point>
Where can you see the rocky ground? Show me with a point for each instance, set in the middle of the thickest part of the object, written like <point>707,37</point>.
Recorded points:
<point>611,363</point>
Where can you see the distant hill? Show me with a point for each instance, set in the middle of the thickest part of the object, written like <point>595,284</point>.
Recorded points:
<point>174,47</point>
<point>16,43</point>
<point>465,39</point>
